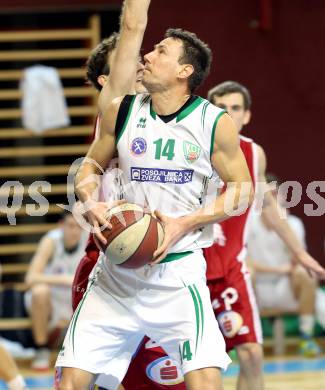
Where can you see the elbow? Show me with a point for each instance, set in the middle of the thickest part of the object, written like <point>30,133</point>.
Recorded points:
<point>29,280</point>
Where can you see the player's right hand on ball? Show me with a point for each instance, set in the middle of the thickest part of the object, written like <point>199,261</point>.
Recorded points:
<point>96,213</point>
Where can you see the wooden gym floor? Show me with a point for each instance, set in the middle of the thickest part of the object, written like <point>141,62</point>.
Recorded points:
<point>280,374</point>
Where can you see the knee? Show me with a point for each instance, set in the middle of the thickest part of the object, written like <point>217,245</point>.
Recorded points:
<point>250,356</point>
<point>75,379</point>
<point>302,279</point>
<point>66,386</point>
<point>203,379</point>
<point>40,293</point>
<point>69,384</point>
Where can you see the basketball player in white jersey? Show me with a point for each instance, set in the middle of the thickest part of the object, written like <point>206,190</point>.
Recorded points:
<point>183,139</point>
<point>49,279</point>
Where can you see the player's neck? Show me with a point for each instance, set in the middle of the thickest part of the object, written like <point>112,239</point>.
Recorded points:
<point>168,102</point>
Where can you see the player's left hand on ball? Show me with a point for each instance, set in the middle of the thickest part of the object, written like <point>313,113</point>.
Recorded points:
<point>174,229</point>
<point>311,265</point>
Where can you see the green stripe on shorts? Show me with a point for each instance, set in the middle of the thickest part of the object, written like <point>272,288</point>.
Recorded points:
<point>201,309</point>
<point>197,315</point>
<point>175,256</point>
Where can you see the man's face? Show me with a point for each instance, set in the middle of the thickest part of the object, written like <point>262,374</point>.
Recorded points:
<point>71,231</point>
<point>233,103</point>
<point>162,68</point>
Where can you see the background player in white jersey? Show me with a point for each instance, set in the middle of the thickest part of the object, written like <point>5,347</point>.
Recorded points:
<point>49,279</point>
<point>280,282</point>
<point>173,70</point>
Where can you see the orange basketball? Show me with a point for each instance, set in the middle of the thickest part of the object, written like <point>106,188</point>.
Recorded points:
<point>134,237</point>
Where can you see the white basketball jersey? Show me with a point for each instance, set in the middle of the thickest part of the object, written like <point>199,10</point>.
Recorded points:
<point>166,166</point>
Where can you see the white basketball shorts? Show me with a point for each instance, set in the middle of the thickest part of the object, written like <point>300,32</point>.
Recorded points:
<point>169,302</point>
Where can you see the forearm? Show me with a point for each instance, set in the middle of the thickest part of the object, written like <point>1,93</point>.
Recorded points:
<point>281,225</point>
<point>261,268</point>
<point>234,201</point>
<point>87,181</point>
<point>123,67</point>
<point>134,15</point>
<point>52,280</point>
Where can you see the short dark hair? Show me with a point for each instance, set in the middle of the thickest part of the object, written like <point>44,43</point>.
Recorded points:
<point>97,63</point>
<point>231,87</point>
<point>195,52</point>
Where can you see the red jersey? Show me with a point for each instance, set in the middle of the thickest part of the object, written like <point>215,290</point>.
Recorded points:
<point>222,258</point>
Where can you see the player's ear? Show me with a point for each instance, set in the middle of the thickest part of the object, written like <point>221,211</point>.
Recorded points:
<point>247,116</point>
<point>186,71</point>
<point>102,79</point>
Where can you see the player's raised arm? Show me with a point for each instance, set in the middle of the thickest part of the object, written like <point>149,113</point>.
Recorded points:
<point>124,62</point>
<point>87,180</point>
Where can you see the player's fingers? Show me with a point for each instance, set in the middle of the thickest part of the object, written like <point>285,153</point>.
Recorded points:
<point>162,218</point>
<point>102,221</point>
<point>160,257</point>
<point>320,272</point>
<point>98,233</point>
<point>159,251</point>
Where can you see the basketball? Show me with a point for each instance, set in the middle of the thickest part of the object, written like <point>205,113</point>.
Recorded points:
<point>134,237</point>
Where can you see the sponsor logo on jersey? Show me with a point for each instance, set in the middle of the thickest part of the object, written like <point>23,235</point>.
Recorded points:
<point>191,151</point>
<point>158,175</point>
<point>164,371</point>
<point>142,123</point>
<point>243,330</point>
<point>138,146</point>
<point>230,323</point>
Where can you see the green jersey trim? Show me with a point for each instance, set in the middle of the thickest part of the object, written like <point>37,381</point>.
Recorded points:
<point>152,112</point>
<point>183,114</point>
<point>214,130</point>
<point>126,119</point>
<point>175,256</point>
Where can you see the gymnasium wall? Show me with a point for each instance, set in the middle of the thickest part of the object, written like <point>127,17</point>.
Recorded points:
<point>283,67</point>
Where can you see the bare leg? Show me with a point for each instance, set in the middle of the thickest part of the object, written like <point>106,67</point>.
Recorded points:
<point>8,368</point>
<point>9,371</point>
<point>76,379</point>
<point>304,288</point>
<point>250,357</point>
<point>204,379</point>
<point>40,313</point>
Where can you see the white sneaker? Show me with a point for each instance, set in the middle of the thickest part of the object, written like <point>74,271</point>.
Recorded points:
<point>41,361</point>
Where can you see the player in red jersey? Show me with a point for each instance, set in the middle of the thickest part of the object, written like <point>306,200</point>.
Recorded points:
<point>229,281</point>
